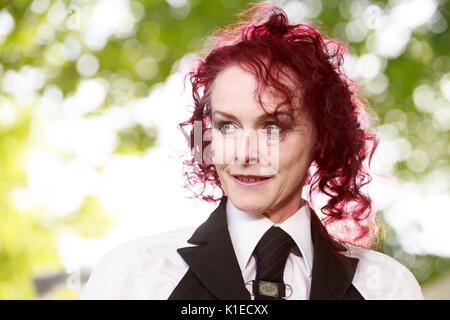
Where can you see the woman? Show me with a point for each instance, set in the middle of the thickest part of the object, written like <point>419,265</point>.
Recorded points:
<point>276,114</point>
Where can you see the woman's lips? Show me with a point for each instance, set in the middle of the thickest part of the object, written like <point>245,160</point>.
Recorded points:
<point>258,182</point>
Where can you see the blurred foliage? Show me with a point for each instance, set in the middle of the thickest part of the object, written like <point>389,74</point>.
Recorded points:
<point>136,140</point>
<point>90,220</point>
<point>131,61</point>
<point>424,267</point>
<point>26,246</point>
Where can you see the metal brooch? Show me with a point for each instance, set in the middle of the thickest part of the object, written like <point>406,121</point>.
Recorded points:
<point>270,289</point>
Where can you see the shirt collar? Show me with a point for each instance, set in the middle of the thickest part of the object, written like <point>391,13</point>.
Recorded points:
<point>247,229</point>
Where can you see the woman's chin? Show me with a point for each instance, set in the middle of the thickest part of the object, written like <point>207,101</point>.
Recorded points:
<point>252,206</point>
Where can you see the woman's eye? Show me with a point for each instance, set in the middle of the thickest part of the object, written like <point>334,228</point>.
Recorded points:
<point>271,126</point>
<point>226,127</point>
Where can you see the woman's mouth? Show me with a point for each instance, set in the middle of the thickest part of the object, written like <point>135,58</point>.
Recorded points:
<point>250,180</point>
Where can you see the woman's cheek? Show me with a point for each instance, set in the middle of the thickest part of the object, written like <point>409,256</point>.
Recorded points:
<point>273,157</point>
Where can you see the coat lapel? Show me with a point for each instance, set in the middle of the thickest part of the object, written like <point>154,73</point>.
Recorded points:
<point>214,272</point>
<point>332,272</point>
<point>213,261</point>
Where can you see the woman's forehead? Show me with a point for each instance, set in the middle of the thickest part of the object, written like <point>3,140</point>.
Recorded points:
<point>233,83</point>
<point>234,87</point>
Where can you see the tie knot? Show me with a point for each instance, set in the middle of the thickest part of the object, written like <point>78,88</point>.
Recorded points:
<point>271,254</point>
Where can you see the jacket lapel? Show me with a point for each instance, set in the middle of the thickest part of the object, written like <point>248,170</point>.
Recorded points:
<point>213,261</point>
<point>332,272</point>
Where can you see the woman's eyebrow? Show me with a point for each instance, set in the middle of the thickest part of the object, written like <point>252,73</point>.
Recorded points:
<point>232,117</point>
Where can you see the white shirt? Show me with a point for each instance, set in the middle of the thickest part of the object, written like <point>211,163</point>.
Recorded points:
<point>151,268</point>
<point>247,229</point>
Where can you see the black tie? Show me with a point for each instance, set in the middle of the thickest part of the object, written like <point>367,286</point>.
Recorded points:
<point>272,252</point>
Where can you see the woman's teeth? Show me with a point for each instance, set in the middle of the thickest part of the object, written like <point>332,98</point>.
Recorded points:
<point>245,179</point>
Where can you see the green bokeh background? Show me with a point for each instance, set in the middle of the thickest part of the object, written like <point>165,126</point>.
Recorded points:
<point>165,33</point>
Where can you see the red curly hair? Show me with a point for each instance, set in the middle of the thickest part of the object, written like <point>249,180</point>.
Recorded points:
<point>264,43</point>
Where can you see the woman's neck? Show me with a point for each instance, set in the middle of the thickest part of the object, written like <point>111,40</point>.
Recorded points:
<point>287,209</point>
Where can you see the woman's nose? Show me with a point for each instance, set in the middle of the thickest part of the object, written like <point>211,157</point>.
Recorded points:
<point>247,147</point>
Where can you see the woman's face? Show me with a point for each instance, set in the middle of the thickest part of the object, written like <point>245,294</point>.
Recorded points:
<point>242,146</point>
